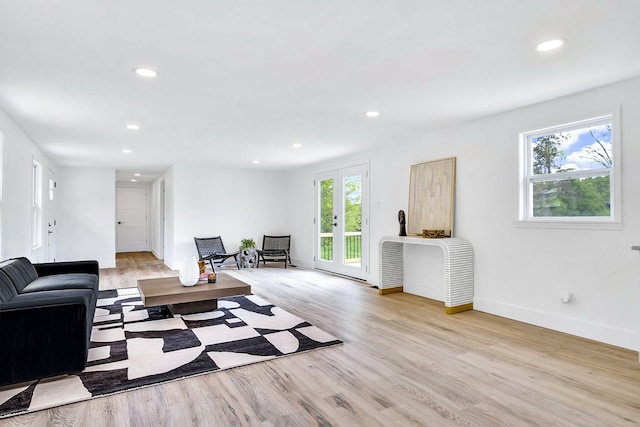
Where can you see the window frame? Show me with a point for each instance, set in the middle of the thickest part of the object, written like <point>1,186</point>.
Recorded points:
<point>527,178</point>
<point>36,205</point>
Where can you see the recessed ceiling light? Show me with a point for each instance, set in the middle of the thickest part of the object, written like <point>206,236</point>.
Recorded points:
<point>126,151</point>
<point>133,126</point>
<point>296,145</point>
<point>548,45</point>
<point>372,114</point>
<point>146,72</point>
<point>136,174</point>
<point>255,162</point>
<point>134,180</point>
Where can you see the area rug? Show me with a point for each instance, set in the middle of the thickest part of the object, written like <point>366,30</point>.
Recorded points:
<point>133,346</point>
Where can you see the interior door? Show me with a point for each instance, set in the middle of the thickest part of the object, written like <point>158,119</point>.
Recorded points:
<point>342,222</point>
<point>131,219</point>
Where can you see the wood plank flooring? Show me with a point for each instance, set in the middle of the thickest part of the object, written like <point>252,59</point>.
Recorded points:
<point>404,363</point>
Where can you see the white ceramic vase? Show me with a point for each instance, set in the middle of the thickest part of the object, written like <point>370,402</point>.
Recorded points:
<point>189,272</point>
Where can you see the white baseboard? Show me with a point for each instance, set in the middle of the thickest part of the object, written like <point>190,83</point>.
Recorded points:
<point>422,290</point>
<point>624,338</point>
<point>107,263</point>
<point>172,265</point>
<point>299,262</point>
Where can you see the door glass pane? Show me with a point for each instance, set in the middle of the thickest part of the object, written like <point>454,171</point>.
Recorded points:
<point>352,191</point>
<point>326,220</point>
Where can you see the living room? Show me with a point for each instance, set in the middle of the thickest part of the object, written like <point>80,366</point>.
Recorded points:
<point>521,271</point>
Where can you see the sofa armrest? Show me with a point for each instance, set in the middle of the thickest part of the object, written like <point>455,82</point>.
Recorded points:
<point>51,268</point>
<point>44,334</point>
<point>38,300</point>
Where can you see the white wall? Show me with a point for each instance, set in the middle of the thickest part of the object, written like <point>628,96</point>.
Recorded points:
<point>86,215</point>
<point>156,215</point>
<point>169,216</point>
<point>520,273</point>
<point>18,154</point>
<point>235,204</point>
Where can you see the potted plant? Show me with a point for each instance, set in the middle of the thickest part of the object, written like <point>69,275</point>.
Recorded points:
<point>247,243</point>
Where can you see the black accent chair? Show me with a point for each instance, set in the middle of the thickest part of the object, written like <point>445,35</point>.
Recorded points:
<point>46,318</point>
<point>275,248</point>
<point>212,249</point>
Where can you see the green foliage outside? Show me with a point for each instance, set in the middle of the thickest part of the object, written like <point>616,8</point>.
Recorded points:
<point>574,197</point>
<point>353,203</point>
<point>326,206</point>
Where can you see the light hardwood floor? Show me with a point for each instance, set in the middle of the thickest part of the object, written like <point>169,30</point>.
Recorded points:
<point>404,362</point>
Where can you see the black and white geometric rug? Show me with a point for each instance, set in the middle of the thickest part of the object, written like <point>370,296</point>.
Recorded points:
<point>133,346</point>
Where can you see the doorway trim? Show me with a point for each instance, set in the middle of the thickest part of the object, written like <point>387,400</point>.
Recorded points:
<point>338,263</point>
<point>146,217</point>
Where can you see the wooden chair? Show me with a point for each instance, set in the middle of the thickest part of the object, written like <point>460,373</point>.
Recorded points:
<point>275,248</point>
<point>212,249</point>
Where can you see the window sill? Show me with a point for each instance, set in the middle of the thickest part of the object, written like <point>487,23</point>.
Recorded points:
<point>568,224</point>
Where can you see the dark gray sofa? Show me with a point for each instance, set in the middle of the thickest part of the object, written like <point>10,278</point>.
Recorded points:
<point>46,316</point>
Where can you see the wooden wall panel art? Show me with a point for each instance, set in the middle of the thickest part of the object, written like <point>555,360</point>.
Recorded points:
<point>431,196</point>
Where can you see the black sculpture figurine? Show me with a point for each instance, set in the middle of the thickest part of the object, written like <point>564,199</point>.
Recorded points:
<point>403,222</point>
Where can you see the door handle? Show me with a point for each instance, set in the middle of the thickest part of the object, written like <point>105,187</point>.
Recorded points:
<point>335,224</point>
<point>635,248</point>
<point>49,232</point>
<point>119,222</point>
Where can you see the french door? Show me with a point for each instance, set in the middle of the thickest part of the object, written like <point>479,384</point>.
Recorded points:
<point>342,221</point>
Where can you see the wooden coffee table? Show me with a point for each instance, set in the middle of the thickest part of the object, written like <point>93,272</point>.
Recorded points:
<point>189,299</point>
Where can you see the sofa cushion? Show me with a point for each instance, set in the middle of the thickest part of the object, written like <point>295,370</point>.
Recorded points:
<point>7,290</point>
<point>20,271</point>
<point>65,267</point>
<point>63,281</point>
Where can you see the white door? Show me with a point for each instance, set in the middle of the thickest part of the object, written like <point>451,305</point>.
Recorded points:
<point>131,219</point>
<point>342,221</point>
<point>51,220</point>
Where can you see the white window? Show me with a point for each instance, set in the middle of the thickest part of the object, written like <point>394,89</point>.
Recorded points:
<point>52,189</point>
<point>36,206</point>
<point>569,175</point>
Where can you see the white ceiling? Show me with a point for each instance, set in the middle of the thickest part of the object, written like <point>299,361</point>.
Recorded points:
<point>244,80</point>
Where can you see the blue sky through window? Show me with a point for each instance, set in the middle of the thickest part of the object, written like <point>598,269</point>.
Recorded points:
<point>583,147</point>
